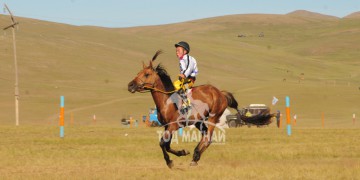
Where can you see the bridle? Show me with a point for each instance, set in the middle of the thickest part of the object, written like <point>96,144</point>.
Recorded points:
<point>145,86</point>
<point>158,90</point>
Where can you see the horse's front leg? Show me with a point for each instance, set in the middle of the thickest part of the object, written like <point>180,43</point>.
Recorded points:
<point>165,143</point>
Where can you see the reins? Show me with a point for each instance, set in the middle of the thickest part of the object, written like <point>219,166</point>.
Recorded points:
<point>159,90</point>
<point>155,89</point>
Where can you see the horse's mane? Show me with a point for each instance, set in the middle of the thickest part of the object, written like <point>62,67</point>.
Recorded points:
<point>165,78</point>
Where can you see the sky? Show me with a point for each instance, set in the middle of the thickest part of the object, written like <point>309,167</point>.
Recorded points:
<point>130,13</point>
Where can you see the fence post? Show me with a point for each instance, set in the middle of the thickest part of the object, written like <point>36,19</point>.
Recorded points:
<point>288,122</point>
<point>62,111</point>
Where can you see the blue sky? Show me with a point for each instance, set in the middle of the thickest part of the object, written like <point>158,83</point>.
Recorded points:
<point>128,13</point>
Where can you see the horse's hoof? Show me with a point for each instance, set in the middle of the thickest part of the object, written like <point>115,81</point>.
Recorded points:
<point>185,152</point>
<point>170,164</point>
<point>193,163</point>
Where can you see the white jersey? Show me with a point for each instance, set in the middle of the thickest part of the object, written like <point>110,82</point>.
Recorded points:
<point>188,66</point>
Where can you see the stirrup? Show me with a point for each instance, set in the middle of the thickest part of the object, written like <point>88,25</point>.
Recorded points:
<point>187,103</point>
<point>184,110</point>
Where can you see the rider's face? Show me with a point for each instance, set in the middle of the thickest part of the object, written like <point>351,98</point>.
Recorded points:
<point>180,52</point>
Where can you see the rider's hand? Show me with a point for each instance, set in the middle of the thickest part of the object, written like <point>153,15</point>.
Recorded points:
<point>181,76</point>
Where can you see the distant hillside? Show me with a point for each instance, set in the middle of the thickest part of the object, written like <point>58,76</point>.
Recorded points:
<point>355,15</point>
<point>312,58</point>
<point>312,15</point>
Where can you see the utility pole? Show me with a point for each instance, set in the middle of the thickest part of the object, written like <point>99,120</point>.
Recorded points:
<point>12,26</point>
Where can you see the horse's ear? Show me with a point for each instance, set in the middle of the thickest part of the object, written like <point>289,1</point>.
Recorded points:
<point>144,66</point>
<point>151,65</point>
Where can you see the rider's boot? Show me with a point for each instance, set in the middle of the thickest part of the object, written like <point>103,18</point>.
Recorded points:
<point>185,107</point>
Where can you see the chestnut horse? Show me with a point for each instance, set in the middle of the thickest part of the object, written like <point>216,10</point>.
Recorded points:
<point>157,81</point>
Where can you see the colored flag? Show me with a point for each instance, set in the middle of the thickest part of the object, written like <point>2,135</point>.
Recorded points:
<point>275,100</point>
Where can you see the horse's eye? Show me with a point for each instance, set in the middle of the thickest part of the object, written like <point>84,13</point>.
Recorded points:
<point>147,75</point>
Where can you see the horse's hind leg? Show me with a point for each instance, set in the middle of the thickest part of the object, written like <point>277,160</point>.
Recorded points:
<point>203,144</point>
<point>201,127</point>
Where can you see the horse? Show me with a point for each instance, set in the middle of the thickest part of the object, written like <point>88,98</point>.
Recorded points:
<point>157,81</point>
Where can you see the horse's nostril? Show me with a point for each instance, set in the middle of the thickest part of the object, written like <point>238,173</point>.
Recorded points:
<point>131,84</point>
<point>131,87</point>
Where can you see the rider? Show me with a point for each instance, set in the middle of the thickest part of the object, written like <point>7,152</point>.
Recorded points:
<point>188,72</point>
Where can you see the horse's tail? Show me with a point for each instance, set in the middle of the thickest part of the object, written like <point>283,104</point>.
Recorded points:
<point>263,118</point>
<point>230,100</point>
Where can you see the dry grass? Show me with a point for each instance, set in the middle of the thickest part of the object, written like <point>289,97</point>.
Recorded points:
<point>94,152</point>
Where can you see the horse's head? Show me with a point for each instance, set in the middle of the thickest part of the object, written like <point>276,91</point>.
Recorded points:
<point>145,78</point>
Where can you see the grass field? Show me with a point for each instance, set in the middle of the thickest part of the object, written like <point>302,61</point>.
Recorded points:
<point>97,152</point>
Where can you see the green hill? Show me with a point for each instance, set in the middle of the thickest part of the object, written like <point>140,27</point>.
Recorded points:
<point>91,66</point>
